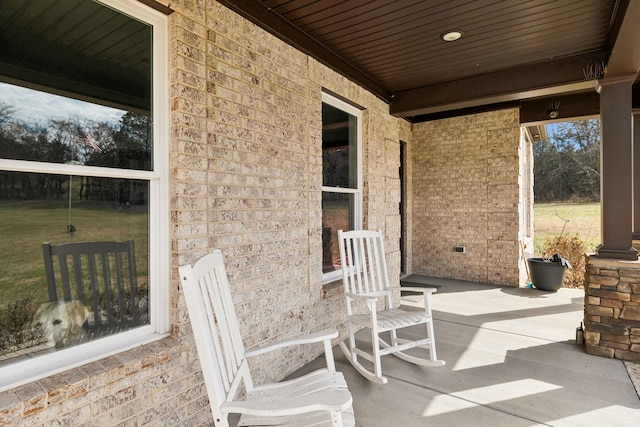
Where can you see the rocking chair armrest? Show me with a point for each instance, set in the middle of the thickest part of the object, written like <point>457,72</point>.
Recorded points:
<point>413,289</point>
<point>339,399</point>
<point>325,335</point>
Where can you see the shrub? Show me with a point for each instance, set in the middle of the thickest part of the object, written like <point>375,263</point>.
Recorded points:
<point>17,328</point>
<point>571,248</point>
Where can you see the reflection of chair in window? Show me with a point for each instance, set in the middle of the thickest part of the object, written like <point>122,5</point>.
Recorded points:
<point>101,275</point>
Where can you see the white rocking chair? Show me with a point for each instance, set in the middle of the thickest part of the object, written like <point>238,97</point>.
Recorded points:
<point>320,398</point>
<point>365,279</point>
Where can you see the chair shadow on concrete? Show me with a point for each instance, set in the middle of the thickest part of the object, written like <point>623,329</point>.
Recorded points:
<point>511,360</point>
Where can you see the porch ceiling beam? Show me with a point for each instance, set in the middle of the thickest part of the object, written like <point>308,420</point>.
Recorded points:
<point>574,105</point>
<point>534,81</point>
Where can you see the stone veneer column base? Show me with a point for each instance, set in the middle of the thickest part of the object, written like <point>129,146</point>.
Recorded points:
<point>612,308</point>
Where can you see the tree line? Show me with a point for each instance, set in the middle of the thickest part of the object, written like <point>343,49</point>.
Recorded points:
<point>567,164</point>
<point>126,144</point>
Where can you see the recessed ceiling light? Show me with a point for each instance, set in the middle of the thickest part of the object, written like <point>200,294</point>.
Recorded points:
<point>451,36</point>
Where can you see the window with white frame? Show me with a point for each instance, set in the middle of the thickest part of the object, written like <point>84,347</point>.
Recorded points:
<point>341,178</point>
<point>83,161</point>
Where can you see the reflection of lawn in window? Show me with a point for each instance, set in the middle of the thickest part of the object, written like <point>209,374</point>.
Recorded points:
<point>336,216</point>
<point>24,226</point>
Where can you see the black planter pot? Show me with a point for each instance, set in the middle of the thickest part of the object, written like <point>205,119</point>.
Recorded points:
<point>546,275</point>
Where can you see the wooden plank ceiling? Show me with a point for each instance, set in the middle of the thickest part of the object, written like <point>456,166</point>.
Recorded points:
<point>510,50</point>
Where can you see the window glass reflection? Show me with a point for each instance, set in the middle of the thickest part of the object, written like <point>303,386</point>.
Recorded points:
<point>40,126</point>
<point>339,148</point>
<point>336,215</point>
<point>59,209</point>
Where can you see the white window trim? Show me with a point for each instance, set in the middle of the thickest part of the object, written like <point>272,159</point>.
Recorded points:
<point>332,276</point>
<point>20,373</point>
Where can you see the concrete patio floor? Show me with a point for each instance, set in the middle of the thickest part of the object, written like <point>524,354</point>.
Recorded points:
<point>511,360</point>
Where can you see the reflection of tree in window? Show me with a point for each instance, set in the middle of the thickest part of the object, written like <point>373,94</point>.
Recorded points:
<point>126,145</point>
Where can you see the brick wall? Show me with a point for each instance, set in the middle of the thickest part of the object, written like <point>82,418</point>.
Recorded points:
<point>464,177</point>
<point>612,308</point>
<point>159,383</point>
<point>246,177</point>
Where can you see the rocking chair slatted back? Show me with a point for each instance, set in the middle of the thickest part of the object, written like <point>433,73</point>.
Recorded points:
<point>366,269</point>
<point>214,322</point>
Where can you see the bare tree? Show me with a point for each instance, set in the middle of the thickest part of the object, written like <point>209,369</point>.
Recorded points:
<point>567,164</point>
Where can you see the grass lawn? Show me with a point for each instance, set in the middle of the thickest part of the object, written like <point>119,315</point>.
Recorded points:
<point>25,225</point>
<point>581,219</point>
